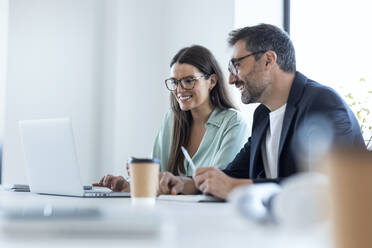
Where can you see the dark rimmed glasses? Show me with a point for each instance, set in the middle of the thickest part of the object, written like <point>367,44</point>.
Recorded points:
<point>187,83</point>
<point>232,64</point>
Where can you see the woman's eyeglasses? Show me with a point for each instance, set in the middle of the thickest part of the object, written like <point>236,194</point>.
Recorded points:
<point>187,83</point>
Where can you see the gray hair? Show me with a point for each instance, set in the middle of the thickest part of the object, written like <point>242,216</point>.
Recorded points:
<point>265,37</point>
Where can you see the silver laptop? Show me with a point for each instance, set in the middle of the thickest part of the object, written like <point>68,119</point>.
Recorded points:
<point>50,155</point>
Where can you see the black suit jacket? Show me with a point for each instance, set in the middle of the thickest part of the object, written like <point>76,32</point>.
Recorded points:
<point>306,99</point>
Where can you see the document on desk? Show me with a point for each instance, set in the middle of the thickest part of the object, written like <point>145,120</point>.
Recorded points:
<point>190,198</point>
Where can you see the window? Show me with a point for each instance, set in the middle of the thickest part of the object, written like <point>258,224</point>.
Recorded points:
<point>333,46</point>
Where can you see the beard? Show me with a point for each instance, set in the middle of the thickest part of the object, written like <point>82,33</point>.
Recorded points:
<point>252,90</point>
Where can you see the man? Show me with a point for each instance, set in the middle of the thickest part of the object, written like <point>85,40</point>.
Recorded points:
<point>263,68</point>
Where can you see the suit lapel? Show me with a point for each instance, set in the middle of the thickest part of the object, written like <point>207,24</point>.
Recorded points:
<point>294,98</point>
<point>288,116</point>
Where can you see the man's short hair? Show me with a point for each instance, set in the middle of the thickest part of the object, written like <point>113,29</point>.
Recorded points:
<point>265,37</point>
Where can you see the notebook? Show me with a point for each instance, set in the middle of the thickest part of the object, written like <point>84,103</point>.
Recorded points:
<point>50,155</point>
<point>190,198</point>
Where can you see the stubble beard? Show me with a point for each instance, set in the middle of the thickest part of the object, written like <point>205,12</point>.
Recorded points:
<point>252,91</point>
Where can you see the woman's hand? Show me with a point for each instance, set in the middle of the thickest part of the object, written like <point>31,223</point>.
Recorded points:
<point>115,183</point>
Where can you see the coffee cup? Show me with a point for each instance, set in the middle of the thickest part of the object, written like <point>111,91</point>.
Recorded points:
<point>351,190</point>
<point>144,174</point>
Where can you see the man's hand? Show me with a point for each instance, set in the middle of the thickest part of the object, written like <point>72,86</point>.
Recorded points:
<point>213,181</point>
<point>170,184</point>
<point>114,183</point>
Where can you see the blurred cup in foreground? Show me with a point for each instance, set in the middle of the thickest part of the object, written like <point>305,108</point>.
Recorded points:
<point>350,172</point>
<point>144,179</point>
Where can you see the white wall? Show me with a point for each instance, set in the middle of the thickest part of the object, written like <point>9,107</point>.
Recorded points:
<point>253,12</point>
<point>139,98</point>
<point>150,33</point>
<point>103,63</point>
<point>53,70</point>
<point>4,5</point>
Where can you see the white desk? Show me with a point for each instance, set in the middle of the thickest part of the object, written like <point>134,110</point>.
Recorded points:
<point>190,225</point>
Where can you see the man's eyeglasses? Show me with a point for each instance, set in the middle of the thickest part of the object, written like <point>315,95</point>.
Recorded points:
<point>187,83</point>
<point>232,64</point>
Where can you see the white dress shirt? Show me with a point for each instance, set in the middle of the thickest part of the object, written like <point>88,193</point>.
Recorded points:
<point>270,144</point>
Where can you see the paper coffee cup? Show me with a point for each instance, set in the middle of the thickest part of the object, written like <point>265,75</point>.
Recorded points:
<point>351,189</point>
<point>144,179</point>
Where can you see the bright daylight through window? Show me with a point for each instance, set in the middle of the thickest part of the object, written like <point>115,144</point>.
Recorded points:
<point>333,46</point>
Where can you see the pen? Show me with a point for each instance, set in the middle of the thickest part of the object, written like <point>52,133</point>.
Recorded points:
<point>188,158</point>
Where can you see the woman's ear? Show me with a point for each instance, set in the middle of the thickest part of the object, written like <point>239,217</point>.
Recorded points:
<point>213,81</point>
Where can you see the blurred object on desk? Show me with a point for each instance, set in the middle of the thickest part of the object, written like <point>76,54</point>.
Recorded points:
<point>314,140</point>
<point>70,221</point>
<point>303,202</point>
<point>254,202</point>
<point>300,202</point>
<point>17,187</point>
<point>350,173</point>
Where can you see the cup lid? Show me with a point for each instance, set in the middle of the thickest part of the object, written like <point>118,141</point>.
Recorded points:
<point>143,160</point>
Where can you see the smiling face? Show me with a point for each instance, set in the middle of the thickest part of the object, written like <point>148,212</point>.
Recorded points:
<point>198,97</point>
<point>251,79</point>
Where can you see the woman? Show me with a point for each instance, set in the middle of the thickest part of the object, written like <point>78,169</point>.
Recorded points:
<point>202,118</point>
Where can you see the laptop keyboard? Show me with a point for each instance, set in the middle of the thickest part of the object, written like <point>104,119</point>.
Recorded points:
<point>103,192</point>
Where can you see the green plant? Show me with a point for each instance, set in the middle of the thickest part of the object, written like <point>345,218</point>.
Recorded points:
<point>359,98</point>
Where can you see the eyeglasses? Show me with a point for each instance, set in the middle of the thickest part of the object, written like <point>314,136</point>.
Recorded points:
<point>187,83</point>
<point>232,63</point>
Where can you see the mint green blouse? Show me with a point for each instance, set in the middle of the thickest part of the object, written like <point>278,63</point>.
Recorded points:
<point>226,133</point>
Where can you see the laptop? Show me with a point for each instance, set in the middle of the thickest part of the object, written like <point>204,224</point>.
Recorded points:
<point>50,155</point>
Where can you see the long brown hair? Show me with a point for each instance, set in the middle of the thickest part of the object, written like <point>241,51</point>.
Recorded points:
<point>205,62</point>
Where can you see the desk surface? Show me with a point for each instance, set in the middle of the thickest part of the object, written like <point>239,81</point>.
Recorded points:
<point>189,225</point>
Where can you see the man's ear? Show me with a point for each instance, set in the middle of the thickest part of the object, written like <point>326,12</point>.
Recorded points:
<point>213,79</point>
<point>270,58</point>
